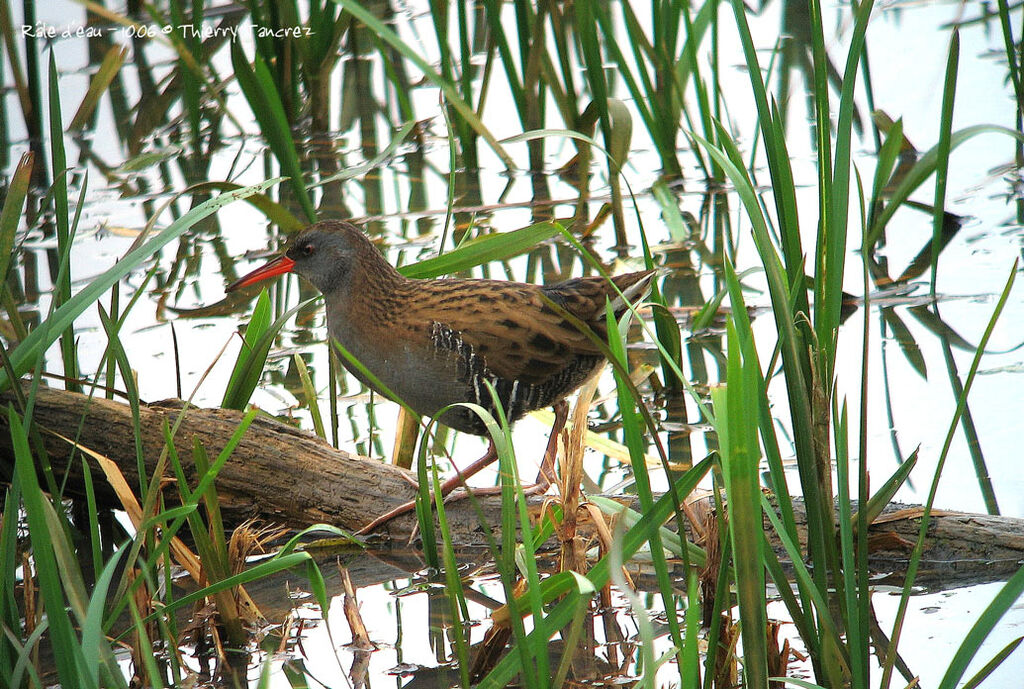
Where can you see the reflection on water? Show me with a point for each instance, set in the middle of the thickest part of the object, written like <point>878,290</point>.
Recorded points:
<point>165,139</point>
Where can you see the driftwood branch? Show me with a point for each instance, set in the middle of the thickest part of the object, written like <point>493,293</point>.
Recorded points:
<point>289,477</point>
<point>277,472</point>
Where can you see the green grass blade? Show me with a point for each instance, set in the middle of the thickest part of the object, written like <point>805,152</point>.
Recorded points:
<point>453,583</point>
<point>93,637</point>
<point>311,399</point>
<point>792,346</point>
<point>482,250</point>
<point>633,430</point>
<point>498,32</point>
<point>145,646</point>
<point>70,664</point>
<point>254,573</point>
<point>924,168</point>
<point>561,584</point>
<point>451,94</point>
<point>829,280</point>
<point>1004,600</point>
<point>734,407</point>
<point>645,631</point>
<point>779,166</point>
<point>884,494</point>
<point>25,655</point>
<point>915,557</point>
<point>669,538</point>
<point>235,394</point>
<point>827,629</point>
<point>275,212</point>
<point>62,285</point>
<point>852,605</point>
<point>117,353</point>
<point>10,614</point>
<point>942,153</point>
<point>205,482</point>
<point>381,158</point>
<point>638,534</point>
<point>108,69</point>
<point>991,665</point>
<point>215,558</point>
<point>257,85</point>
<point>26,353</point>
<point>582,594</point>
<point>10,216</point>
<point>507,554</point>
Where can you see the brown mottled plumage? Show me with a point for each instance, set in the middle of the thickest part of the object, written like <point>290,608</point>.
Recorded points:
<point>434,343</point>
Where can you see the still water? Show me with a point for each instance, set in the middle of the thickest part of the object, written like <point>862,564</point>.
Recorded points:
<point>910,399</point>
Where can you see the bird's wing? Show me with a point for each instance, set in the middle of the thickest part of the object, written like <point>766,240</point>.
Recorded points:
<point>515,328</point>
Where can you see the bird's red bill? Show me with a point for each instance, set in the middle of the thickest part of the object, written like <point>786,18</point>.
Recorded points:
<point>279,266</point>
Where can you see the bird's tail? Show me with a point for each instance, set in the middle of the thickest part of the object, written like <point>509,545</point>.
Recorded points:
<point>634,287</point>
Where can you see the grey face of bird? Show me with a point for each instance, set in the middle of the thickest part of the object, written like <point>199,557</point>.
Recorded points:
<point>326,259</point>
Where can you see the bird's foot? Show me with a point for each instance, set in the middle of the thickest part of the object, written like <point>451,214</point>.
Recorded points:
<point>544,477</point>
<point>447,487</point>
<point>452,495</point>
<point>386,517</point>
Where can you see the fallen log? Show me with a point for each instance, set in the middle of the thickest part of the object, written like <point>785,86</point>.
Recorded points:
<point>277,472</point>
<point>289,477</point>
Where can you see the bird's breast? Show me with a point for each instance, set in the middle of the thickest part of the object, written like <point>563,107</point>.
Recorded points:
<point>403,359</point>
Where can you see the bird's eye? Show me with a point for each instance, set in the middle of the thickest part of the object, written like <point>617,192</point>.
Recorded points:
<point>307,249</point>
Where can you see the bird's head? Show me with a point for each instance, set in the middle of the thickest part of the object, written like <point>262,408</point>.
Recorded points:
<point>327,254</point>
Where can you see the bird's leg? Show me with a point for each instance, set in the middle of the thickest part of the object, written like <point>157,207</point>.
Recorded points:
<point>472,470</point>
<point>446,488</point>
<point>546,473</point>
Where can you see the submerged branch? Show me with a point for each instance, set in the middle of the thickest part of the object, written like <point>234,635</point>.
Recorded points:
<point>289,477</point>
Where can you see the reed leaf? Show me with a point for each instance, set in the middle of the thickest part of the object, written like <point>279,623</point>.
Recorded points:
<point>829,274</point>
<point>885,494</point>
<point>942,154</point>
<point>453,584</point>
<point>260,91</point>
<point>10,215</point>
<point>29,350</point>
<point>564,583</point>
<point>632,428</point>
<point>152,672</point>
<point>243,381</point>
<point>924,168</point>
<point>93,637</point>
<point>452,96</point>
<point>915,556</point>
<point>108,69</point>
<point>254,573</point>
<point>1007,597</point>
<point>992,664</point>
<point>735,405</point>
<point>117,353</point>
<point>783,185</point>
<point>311,397</point>
<point>481,250</point>
<point>71,665</point>
<point>10,614</point>
<point>62,281</point>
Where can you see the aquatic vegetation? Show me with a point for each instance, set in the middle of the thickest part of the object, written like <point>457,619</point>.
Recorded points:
<point>595,134</point>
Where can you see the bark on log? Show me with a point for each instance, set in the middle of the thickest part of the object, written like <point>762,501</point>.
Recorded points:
<point>277,472</point>
<point>289,477</point>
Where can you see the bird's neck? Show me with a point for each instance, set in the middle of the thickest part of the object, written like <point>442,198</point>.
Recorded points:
<point>374,276</point>
<point>372,292</point>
